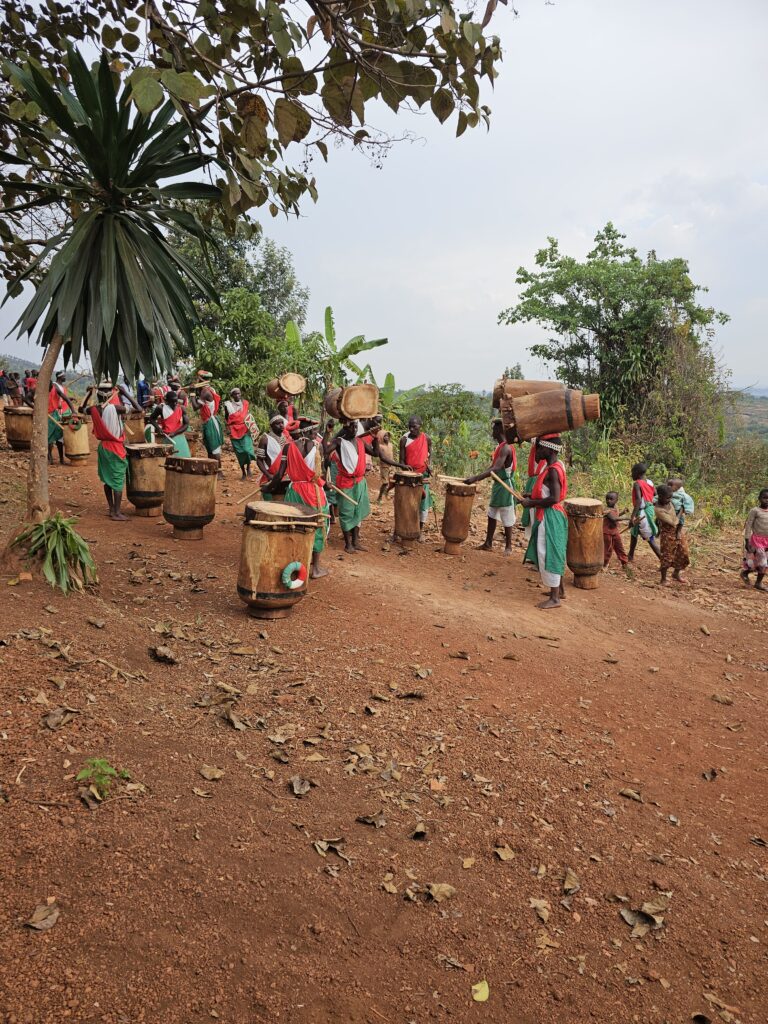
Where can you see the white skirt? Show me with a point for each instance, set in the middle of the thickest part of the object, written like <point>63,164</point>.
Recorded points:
<point>549,579</point>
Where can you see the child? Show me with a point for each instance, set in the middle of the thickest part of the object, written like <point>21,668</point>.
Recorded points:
<point>674,544</point>
<point>611,537</point>
<point>756,541</point>
<point>643,515</point>
<point>385,445</point>
<point>682,502</point>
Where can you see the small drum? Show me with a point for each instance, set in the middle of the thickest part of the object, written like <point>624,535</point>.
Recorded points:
<point>190,495</point>
<point>145,479</point>
<point>459,499</point>
<point>584,553</point>
<point>18,427</point>
<point>408,492</point>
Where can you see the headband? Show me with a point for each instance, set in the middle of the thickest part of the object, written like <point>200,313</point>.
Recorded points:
<point>276,417</point>
<point>551,445</point>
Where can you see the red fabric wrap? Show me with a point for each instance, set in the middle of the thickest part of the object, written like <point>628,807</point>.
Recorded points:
<point>343,479</point>
<point>55,402</point>
<point>417,453</point>
<point>646,489</point>
<point>538,488</point>
<point>513,467</point>
<point>172,423</point>
<point>205,412</point>
<point>109,441</point>
<point>236,421</point>
<point>274,468</point>
<point>308,485</point>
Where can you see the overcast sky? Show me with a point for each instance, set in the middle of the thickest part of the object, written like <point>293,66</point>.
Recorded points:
<point>650,113</point>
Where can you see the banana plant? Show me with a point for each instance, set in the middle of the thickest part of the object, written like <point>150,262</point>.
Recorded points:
<point>338,363</point>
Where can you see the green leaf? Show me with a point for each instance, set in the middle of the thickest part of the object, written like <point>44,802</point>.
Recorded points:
<point>442,105</point>
<point>147,94</point>
<point>291,121</point>
<point>131,42</point>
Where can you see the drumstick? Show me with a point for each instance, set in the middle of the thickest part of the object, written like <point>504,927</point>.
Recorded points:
<point>506,487</point>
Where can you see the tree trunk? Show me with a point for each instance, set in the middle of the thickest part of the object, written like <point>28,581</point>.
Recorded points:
<point>38,507</point>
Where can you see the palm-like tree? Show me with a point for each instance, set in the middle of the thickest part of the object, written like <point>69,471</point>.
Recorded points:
<point>338,362</point>
<point>108,284</point>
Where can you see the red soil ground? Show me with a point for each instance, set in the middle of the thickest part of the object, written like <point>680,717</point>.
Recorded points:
<point>184,899</point>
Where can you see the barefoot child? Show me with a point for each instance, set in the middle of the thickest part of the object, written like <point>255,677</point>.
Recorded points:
<point>643,514</point>
<point>549,539</point>
<point>612,541</point>
<point>674,544</point>
<point>756,541</point>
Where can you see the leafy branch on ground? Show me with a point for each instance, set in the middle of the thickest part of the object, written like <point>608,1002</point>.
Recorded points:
<point>67,562</point>
<point>100,774</point>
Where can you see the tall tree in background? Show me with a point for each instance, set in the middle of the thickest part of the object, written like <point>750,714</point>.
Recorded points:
<point>107,284</point>
<point>626,327</point>
<point>253,80</point>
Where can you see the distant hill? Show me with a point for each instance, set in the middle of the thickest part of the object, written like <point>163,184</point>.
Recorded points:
<point>750,415</point>
<point>15,364</point>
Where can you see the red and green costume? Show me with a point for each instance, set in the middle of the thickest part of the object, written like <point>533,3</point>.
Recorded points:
<point>170,420</point>
<point>213,432</point>
<point>500,496</point>
<point>239,434</point>
<point>306,488</point>
<point>549,534</point>
<point>417,457</point>
<point>112,461</point>
<point>56,406</point>
<point>534,468</point>
<point>350,479</point>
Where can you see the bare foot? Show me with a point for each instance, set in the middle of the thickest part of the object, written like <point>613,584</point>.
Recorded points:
<point>350,551</point>
<point>118,517</point>
<point>551,603</point>
<point>317,574</point>
<point>508,551</point>
<point>484,547</point>
<point>761,586</point>
<point>360,547</point>
<point>680,579</point>
<point>422,538</point>
<point>745,576</point>
<point>666,583</point>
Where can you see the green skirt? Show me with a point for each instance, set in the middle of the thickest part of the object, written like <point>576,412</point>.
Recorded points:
<point>181,447</point>
<point>243,447</point>
<point>213,436</point>
<point>557,542</point>
<point>351,515</point>
<point>427,501</point>
<point>500,496</point>
<point>333,498</point>
<point>525,519</point>
<point>322,531</point>
<point>55,433</point>
<point>650,515</point>
<point>112,469</point>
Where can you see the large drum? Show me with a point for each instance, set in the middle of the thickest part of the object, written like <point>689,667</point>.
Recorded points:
<point>511,387</point>
<point>549,412</point>
<point>331,402</point>
<point>76,441</point>
<point>408,488</point>
<point>145,480</point>
<point>584,553</point>
<point>18,427</point>
<point>459,499</point>
<point>359,402</point>
<point>275,556</point>
<point>190,495</point>
<point>134,428</point>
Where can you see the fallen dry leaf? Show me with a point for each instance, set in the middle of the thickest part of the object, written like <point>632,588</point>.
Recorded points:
<point>44,917</point>
<point>58,717</point>
<point>377,820</point>
<point>571,883</point>
<point>481,991</point>
<point>542,908</point>
<point>504,852</point>
<point>631,794</point>
<point>298,786</point>
<point>440,891</point>
<point>722,698</point>
<point>164,655</point>
<point>210,773</point>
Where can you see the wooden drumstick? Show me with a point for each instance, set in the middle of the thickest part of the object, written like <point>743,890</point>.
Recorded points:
<point>506,487</point>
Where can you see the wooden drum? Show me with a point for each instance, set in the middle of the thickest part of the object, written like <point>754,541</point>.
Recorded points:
<point>134,428</point>
<point>359,402</point>
<point>459,499</point>
<point>76,441</point>
<point>18,427</point>
<point>408,488</point>
<point>190,495</point>
<point>511,387</point>
<point>584,553</point>
<point>275,557</point>
<point>331,402</point>
<point>145,480</point>
<point>549,412</point>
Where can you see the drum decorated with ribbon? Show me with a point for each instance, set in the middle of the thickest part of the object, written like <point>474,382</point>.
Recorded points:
<point>275,555</point>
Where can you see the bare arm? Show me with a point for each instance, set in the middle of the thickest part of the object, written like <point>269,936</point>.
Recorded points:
<point>496,467</point>
<point>553,483</point>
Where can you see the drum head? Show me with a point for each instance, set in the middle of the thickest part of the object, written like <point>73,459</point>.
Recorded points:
<point>277,511</point>
<point>583,506</point>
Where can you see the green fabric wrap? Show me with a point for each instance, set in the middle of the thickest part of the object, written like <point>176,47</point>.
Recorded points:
<point>243,447</point>
<point>557,541</point>
<point>525,519</point>
<point>427,501</point>
<point>500,496</point>
<point>112,469</point>
<point>350,515</point>
<point>55,433</point>
<point>213,435</point>
<point>320,533</point>
<point>650,513</point>
<point>333,469</point>
<point>181,446</point>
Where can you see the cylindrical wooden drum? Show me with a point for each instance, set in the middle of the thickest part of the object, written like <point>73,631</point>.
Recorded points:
<point>331,402</point>
<point>190,495</point>
<point>550,412</point>
<point>195,442</point>
<point>408,488</point>
<point>275,556</point>
<point>145,480</point>
<point>459,499</point>
<point>18,427</point>
<point>76,441</point>
<point>359,401</point>
<point>134,428</point>
<point>274,391</point>
<point>584,553</point>
<point>292,384</point>
<point>508,387</point>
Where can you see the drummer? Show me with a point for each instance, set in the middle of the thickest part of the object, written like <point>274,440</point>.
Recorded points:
<point>207,404</point>
<point>416,454</point>
<point>57,399</point>
<point>170,419</point>
<point>271,459</point>
<point>549,538</point>
<point>288,412</point>
<point>307,487</point>
<point>237,417</point>
<point>501,507</point>
<point>348,452</point>
<point>109,427</point>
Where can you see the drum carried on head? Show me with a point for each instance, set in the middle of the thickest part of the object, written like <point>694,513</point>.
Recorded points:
<point>190,495</point>
<point>459,499</point>
<point>584,553</point>
<point>275,557</point>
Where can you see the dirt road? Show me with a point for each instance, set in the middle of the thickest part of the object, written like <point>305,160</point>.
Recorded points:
<point>526,777</point>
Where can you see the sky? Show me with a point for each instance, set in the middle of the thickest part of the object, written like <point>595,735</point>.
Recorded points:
<point>649,113</point>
